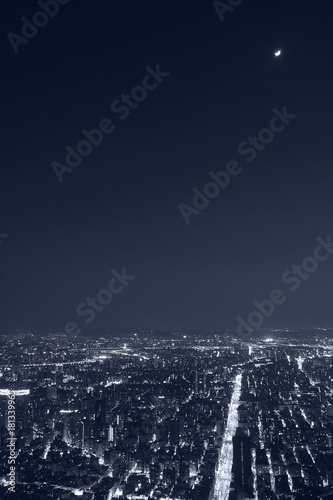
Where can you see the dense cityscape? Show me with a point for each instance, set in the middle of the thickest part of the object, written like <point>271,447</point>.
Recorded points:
<point>140,414</point>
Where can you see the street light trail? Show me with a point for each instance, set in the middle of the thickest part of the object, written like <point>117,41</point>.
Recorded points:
<point>224,470</point>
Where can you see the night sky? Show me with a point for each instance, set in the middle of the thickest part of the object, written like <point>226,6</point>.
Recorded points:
<point>120,206</point>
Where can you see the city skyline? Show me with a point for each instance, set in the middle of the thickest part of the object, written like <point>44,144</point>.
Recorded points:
<point>190,418</point>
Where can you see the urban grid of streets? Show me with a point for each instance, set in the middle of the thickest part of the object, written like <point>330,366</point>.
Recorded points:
<point>144,414</point>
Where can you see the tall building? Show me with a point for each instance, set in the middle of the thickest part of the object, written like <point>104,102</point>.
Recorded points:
<point>200,383</point>
<point>241,468</point>
<point>196,389</point>
<point>174,432</point>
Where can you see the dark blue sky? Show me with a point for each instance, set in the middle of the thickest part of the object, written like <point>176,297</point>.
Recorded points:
<point>119,207</point>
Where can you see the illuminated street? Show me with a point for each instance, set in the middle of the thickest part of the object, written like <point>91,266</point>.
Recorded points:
<point>223,474</point>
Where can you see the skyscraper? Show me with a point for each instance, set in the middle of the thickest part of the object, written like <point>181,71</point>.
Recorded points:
<point>242,474</point>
